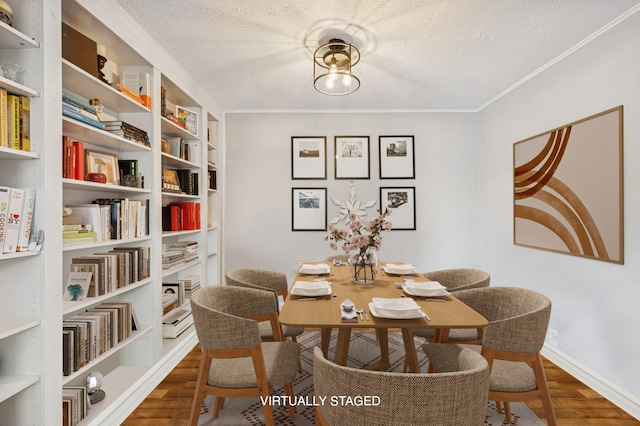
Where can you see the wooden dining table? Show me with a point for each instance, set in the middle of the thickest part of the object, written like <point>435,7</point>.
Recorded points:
<point>323,312</point>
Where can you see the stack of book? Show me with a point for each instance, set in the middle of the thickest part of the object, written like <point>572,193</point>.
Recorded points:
<point>77,234</point>
<point>188,181</point>
<point>127,131</point>
<point>176,322</point>
<point>16,218</point>
<point>15,113</point>
<point>171,259</point>
<point>169,302</point>
<point>74,405</point>
<point>189,249</point>
<point>191,284</point>
<point>80,110</point>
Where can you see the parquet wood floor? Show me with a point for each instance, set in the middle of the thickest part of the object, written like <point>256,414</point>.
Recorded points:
<point>574,403</point>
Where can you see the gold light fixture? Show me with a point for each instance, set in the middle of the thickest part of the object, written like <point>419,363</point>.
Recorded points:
<point>333,64</point>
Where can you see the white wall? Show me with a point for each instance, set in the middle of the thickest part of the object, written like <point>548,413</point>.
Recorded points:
<point>258,192</point>
<point>595,304</point>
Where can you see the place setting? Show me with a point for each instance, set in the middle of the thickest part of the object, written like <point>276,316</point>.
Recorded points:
<point>424,290</point>
<point>396,308</point>
<point>399,269</point>
<point>314,269</point>
<point>311,290</point>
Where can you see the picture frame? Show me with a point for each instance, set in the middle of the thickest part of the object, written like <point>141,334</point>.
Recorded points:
<point>352,157</point>
<point>103,162</point>
<point>568,192</point>
<point>397,157</point>
<point>309,209</point>
<point>189,117</point>
<point>309,157</point>
<point>401,200</point>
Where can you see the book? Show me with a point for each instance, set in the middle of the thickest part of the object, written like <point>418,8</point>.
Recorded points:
<point>5,193</point>
<point>4,119</point>
<point>73,100</point>
<point>27,219</point>
<point>82,118</point>
<point>25,123</point>
<point>13,110</point>
<point>77,286</point>
<point>90,215</point>
<point>79,110</point>
<point>14,215</point>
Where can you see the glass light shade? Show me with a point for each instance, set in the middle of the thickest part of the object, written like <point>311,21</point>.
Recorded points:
<point>333,68</point>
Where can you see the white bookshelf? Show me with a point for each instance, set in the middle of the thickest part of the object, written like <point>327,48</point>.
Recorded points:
<point>31,309</point>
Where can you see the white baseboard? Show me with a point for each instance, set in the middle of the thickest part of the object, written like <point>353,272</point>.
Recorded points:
<point>612,392</point>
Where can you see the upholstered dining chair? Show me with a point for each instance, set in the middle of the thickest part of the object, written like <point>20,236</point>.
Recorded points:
<point>452,398</point>
<point>235,361</point>
<point>274,282</point>
<point>456,280</point>
<point>511,343</point>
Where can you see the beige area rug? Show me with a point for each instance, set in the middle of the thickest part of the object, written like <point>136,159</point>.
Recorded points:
<point>363,351</point>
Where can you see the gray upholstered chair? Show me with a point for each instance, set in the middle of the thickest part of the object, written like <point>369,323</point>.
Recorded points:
<point>511,343</point>
<point>274,282</point>
<point>456,280</point>
<point>453,398</point>
<point>235,361</point>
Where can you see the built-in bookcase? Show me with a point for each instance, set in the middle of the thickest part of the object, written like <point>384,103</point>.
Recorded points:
<point>32,310</point>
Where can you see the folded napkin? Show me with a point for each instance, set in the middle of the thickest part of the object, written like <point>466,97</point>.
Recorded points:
<point>395,304</point>
<point>399,269</point>
<point>315,268</point>
<point>424,285</point>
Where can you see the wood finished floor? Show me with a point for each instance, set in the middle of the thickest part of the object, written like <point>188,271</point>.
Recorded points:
<point>573,402</point>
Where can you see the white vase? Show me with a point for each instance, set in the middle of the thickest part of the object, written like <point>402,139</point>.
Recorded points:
<point>364,266</point>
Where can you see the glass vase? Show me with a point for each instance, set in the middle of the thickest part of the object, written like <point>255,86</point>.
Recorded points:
<point>364,266</point>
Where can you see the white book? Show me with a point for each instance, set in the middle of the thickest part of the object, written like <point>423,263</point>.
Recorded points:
<point>14,214</point>
<point>90,214</point>
<point>5,191</point>
<point>27,218</point>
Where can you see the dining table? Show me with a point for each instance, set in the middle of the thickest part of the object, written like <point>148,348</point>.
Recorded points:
<point>323,312</point>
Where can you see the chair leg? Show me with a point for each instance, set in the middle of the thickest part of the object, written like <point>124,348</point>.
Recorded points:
<point>219,405</point>
<point>541,381</point>
<point>198,397</point>
<point>294,340</point>
<point>507,412</point>
<point>268,415</point>
<point>288,390</point>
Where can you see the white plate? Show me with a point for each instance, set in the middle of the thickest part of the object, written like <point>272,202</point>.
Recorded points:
<point>315,269</point>
<point>413,291</point>
<point>395,304</point>
<point>399,269</point>
<point>381,313</point>
<point>311,288</point>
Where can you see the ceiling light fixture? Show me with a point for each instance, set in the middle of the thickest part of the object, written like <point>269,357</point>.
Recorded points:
<point>333,64</point>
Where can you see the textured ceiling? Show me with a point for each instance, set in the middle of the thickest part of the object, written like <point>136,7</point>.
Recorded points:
<point>416,54</point>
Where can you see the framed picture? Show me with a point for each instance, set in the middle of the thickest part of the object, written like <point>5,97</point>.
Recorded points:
<point>103,162</point>
<point>397,159</point>
<point>308,157</point>
<point>189,118</point>
<point>309,209</point>
<point>568,189</point>
<point>352,157</point>
<point>402,203</point>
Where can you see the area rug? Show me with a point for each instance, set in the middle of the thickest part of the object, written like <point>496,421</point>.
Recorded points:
<point>363,351</point>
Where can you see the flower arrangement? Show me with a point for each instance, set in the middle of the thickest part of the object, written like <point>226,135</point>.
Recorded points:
<point>360,240</point>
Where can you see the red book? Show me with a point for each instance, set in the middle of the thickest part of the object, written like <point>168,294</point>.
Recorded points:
<point>175,218</point>
<point>79,161</point>
<point>197,215</point>
<point>71,174</point>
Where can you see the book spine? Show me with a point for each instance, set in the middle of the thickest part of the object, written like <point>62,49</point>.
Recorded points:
<point>66,154</point>
<point>26,220</point>
<point>4,213</point>
<point>78,102</point>
<point>25,123</point>
<point>83,119</point>
<point>4,119</point>
<point>79,160</point>
<point>12,233</point>
<point>14,122</point>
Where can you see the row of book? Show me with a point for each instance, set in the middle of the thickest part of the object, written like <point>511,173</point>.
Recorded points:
<point>73,159</point>
<point>181,216</point>
<point>78,109</point>
<point>89,334</point>
<point>109,219</point>
<point>16,219</point>
<point>15,111</point>
<point>104,272</point>
<point>75,405</point>
<point>188,181</point>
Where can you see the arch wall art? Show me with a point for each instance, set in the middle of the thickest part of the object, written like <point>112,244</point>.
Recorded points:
<point>568,188</point>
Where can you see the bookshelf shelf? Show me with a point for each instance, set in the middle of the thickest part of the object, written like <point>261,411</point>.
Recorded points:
<point>12,385</point>
<point>169,128</point>
<point>15,154</point>
<point>174,161</point>
<point>169,195</point>
<point>107,243</point>
<point>166,234</point>
<point>19,255</point>
<point>84,185</point>
<point>11,326</point>
<point>17,88</point>
<point>180,267</point>
<point>11,38</point>
<point>85,132</point>
<point>69,308</point>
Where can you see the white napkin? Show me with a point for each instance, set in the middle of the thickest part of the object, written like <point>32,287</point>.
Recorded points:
<point>395,304</point>
<point>350,316</point>
<point>400,269</point>
<point>315,268</point>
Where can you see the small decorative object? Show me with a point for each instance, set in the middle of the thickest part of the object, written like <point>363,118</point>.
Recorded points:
<point>11,70</point>
<point>103,163</point>
<point>361,241</point>
<point>165,146</point>
<point>97,177</point>
<point>351,206</point>
<point>94,383</point>
<point>102,61</point>
<point>188,118</point>
<point>6,14</point>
